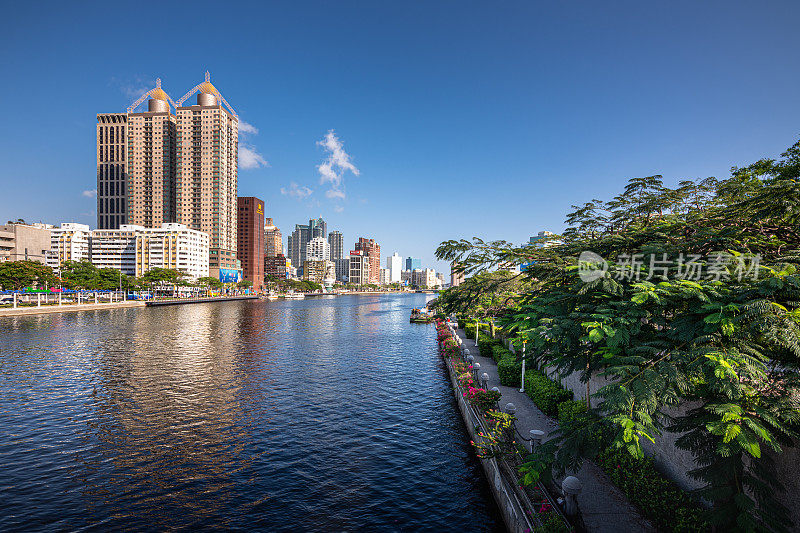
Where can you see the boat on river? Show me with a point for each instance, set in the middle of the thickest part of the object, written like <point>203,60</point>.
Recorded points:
<point>294,296</point>
<point>421,316</point>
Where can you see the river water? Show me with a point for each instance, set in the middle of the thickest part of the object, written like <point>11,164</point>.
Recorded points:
<point>326,414</point>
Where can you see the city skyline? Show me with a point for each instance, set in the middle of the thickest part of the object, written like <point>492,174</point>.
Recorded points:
<point>570,102</point>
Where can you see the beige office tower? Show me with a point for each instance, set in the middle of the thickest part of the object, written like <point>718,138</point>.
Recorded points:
<point>273,241</point>
<point>206,177</point>
<point>151,162</point>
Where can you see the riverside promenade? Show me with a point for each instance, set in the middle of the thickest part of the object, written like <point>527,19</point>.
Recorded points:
<point>604,508</point>
<point>74,308</point>
<point>68,308</point>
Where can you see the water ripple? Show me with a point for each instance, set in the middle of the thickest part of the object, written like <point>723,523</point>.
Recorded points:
<point>313,415</point>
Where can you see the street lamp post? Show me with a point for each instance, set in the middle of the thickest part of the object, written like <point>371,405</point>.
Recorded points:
<point>522,379</point>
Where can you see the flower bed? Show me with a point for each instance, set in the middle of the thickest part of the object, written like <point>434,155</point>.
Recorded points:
<point>495,434</point>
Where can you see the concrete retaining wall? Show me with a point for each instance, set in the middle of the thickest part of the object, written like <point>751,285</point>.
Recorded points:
<point>676,463</point>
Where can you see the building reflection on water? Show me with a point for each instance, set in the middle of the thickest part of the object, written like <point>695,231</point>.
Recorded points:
<point>315,414</point>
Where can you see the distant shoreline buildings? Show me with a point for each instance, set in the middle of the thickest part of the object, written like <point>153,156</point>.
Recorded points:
<point>167,197</point>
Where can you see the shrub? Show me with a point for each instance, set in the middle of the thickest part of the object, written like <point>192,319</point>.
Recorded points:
<point>570,410</point>
<point>668,507</point>
<point>486,344</point>
<point>500,352</point>
<point>461,323</point>
<point>469,330</point>
<point>509,370</point>
<point>544,392</point>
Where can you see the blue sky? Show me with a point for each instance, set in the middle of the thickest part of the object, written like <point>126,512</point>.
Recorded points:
<point>460,118</point>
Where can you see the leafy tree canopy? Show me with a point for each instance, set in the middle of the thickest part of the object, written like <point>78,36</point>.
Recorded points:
<point>727,340</point>
<point>17,275</point>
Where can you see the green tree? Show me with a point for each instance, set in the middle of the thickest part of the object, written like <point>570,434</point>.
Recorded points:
<point>163,276</point>
<point>79,275</point>
<point>728,343</point>
<point>212,283</point>
<point>16,275</point>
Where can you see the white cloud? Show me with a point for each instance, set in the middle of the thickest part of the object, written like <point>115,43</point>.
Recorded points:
<point>336,164</point>
<point>249,157</point>
<point>247,128</point>
<point>335,194</point>
<point>134,87</point>
<point>90,193</point>
<point>296,191</point>
<point>338,209</point>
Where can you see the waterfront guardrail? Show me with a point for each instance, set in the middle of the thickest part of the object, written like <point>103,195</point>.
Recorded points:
<point>524,508</point>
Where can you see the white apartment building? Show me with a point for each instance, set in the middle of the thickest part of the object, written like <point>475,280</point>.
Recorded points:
<point>424,278</point>
<point>359,268</point>
<point>115,248</point>
<point>69,242</point>
<point>394,264</point>
<point>135,249</point>
<point>384,276</point>
<point>318,249</point>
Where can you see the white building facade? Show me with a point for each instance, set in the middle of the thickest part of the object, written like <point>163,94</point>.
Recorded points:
<point>394,264</point>
<point>424,278</point>
<point>135,249</point>
<point>318,249</point>
<point>69,242</point>
<point>359,268</point>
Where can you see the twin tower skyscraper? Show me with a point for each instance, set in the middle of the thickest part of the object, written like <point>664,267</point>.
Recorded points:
<point>172,163</point>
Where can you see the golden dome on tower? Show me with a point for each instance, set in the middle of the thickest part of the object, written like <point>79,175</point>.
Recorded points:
<point>158,94</point>
<point>208,88</point>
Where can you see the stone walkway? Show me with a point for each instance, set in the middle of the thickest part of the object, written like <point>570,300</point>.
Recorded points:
<point>603,506</point>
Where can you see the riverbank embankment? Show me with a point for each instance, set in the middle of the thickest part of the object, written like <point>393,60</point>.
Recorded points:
<point>74,308</point>
<point>67,308</point>
<point>181,301</point>
<point>603,507</point>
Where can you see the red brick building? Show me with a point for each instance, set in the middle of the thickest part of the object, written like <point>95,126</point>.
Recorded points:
<point>275,266</point>
<point>250,238</point>
<point>373,251</point>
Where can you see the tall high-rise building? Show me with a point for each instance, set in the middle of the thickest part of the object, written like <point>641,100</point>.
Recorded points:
<point>297,244</point>
<point>413,263</point>
<point>373,251</point>
<point>273,241</point>
<point>394,264</point>
<point>250,240</point>
<point>318,249</point>
<point>112,171</point>
<point>300,237</point>
<point>318,228</point>
<point>206,177</point>
<point>151,162</point>
<point>336,241</point>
